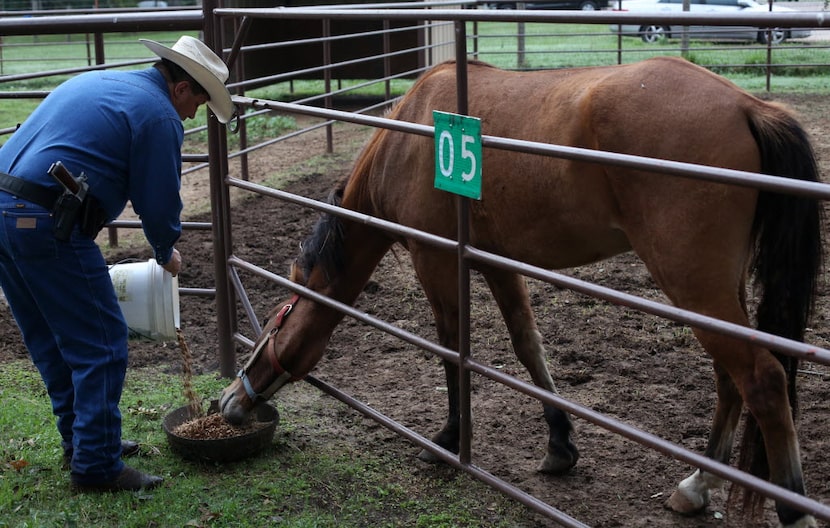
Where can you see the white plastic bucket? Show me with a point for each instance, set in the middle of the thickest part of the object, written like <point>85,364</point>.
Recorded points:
<point>149,299</point>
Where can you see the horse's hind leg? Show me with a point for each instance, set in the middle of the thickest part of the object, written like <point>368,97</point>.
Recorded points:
<point>510,292</point>
<point>760,380</point>
<point>757,377</point>
<point>692,494</point>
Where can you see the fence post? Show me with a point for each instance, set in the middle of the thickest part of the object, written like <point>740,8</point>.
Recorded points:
<point>521,59</point>
<point>463,264</point>
<point>220,214</point>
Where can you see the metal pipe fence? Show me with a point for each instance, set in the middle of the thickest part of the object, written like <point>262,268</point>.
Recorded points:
<point>438,29</point>
<point>467,253</point>
<point>526,39</point>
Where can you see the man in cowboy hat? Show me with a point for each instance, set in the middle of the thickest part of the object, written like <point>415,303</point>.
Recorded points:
<point>123,130</point>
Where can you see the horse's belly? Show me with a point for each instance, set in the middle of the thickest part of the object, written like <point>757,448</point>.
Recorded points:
<point>563,250</point>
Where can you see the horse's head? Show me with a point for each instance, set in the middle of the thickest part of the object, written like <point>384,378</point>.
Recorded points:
<point>263,374</point>
<point>289,347</point>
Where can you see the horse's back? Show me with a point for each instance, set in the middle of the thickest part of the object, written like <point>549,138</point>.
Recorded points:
<point>651,106</point>
<point>569,212</point>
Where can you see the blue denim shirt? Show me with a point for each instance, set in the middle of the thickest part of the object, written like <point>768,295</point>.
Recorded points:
<point>120,129</point>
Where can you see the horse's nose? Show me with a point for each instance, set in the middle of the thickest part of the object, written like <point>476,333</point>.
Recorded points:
<point>231,411</point>
<point>224,399</point>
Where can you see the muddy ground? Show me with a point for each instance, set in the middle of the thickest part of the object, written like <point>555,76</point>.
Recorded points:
<point>649,373</point>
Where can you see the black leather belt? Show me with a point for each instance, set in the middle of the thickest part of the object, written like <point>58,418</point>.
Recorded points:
<point>38,194</point>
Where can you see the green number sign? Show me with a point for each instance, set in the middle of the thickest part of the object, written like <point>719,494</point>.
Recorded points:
<point>458,154</point>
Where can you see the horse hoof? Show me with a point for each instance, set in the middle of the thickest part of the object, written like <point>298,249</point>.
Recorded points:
<point>681,503</point>
<point>557,464</point>
<point>428,456</point>
<point>808,521</point>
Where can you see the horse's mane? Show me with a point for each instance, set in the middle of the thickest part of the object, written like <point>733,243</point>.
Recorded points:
<point>324,246</point>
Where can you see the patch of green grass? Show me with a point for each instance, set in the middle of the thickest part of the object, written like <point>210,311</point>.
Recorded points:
<point>15,112</point>
<point>320,164</point>
<point>313,475</point>
<point>33,53</point>
<point>782,84</point>
<point>345,88</point>
<point>259,128</point>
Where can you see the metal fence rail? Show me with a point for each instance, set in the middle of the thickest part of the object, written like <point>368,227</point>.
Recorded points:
<point>229,291</point>
<point>470,253</point>
<point>672,169</point>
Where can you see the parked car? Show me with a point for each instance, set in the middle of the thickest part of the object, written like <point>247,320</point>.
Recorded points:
<point>653,33</point>
<point>583,5</point>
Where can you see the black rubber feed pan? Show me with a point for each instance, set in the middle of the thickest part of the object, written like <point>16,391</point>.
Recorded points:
<point>221,449</point>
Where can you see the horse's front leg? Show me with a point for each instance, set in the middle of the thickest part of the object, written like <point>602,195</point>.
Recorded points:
<point>437,273</point>
<point>448,436</point>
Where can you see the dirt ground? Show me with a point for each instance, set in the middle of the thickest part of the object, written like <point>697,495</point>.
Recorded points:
<point>649,373</point>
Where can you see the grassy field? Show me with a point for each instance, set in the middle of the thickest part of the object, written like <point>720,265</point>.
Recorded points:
<point>306,479</point>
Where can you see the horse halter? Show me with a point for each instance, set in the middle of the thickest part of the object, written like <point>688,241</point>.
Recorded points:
<point>283,376</point>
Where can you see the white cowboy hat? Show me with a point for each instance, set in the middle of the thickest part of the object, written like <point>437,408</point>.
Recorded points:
<point>199,61</point>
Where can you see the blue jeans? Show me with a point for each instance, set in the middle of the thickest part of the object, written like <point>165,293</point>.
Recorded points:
<point>63,300</point>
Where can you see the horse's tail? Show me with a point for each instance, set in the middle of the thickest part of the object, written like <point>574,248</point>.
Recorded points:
<point>786,262</point>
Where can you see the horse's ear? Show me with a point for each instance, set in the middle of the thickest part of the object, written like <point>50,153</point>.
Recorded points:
<point>336,195</point>
<point>295,274</point>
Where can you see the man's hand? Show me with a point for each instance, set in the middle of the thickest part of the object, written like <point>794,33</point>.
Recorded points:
<point>174,265</point>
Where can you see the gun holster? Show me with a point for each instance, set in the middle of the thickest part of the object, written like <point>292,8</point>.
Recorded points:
<point>93,217</point>
<point>68,211</point>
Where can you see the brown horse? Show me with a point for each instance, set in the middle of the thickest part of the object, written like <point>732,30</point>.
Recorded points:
<point>699,240</point>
